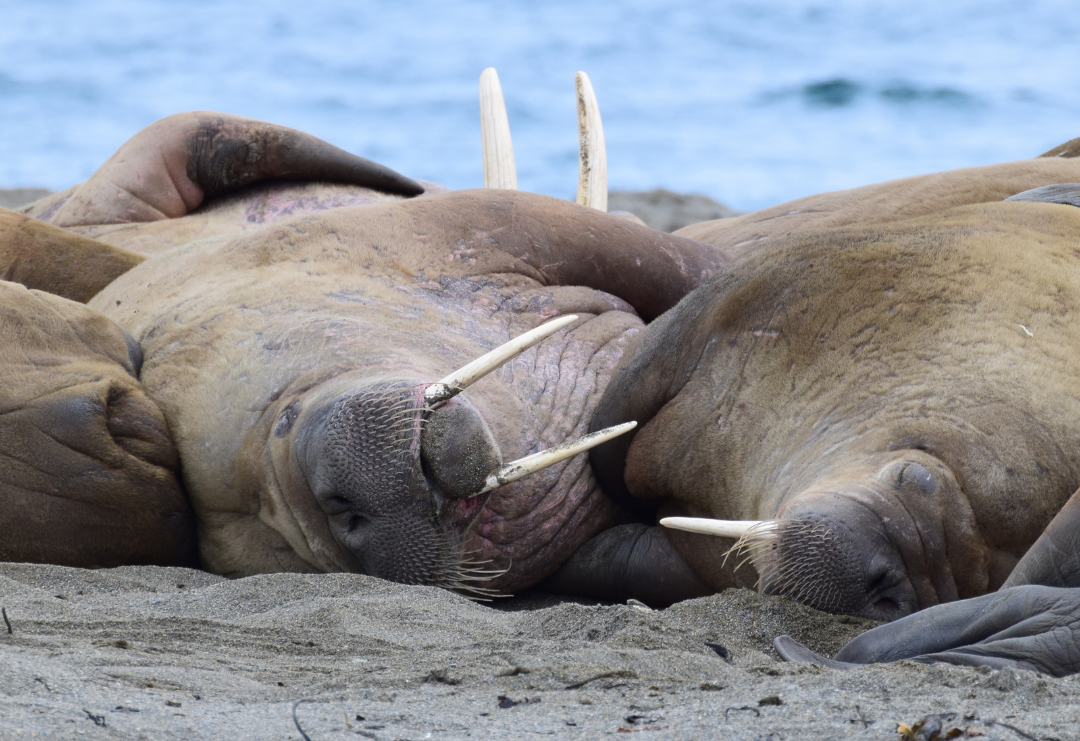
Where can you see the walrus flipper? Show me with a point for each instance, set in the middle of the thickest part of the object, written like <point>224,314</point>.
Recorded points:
<point>48,258</point>
<point>168,169</point>
<point>628,562</point>
<point>1065,193</point>
<point>1033,628</point>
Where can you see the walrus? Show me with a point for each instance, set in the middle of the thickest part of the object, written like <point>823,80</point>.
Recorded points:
<point>89,475</point>
<point>294,360</point>
<point>890,201</point>
<point>291,365</point>
<point>895,404</point>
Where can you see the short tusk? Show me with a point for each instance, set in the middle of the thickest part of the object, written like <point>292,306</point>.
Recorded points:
<point>722,528</point>
<point>592,188</point>
<point>498,151</point>
<point>466,376</point>
<point>522,467</point>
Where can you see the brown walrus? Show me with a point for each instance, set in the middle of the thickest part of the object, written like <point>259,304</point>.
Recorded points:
<point>894,200</point>
<point>900,401</point>
<point>291,365</point>
<point>88,472</point>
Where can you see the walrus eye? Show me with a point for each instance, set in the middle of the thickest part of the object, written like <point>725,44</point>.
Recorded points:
<point>916,477</point>
<point>285,421</point>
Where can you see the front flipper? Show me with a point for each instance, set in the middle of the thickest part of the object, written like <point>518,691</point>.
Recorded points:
<point>627,562</point>
<point>167,169</point>
<point>1032,622</point>
<point>1031,627</point>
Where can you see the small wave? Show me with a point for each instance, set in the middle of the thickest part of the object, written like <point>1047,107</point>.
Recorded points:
<point>839,92</point>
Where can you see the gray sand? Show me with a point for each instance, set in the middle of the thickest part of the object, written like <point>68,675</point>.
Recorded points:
<point>146,652</point>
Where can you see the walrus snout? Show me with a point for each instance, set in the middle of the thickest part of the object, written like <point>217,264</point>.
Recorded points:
<point>836,555</point>
<point>457,450</point>
<point>385,482</point>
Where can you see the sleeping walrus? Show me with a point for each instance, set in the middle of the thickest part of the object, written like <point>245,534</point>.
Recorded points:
<point>896,404</point>
<point>296,360</point>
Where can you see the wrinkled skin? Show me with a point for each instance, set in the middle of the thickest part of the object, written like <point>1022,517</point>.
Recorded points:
<point>290,365</point>
<point>901,397</point>
<point>1032,622</point>
<point>88,472</point>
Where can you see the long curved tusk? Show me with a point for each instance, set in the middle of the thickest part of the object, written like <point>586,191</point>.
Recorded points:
<point>467,375</point>
<point>498,150</point>
<point>592,189</point>
<point>722,528</point>
<point>522,467</point>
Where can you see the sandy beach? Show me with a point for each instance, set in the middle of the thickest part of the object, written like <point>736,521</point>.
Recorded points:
<point>165,653</point>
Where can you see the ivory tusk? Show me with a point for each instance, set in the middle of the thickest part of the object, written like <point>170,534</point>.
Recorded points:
<point>592,155</point>
<point>466,376</point>
<point>522,467</point>
<point>722,528</point>
<point>498,150</point>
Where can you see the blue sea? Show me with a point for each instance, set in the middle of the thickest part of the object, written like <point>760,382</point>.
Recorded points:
<point>751,103</point>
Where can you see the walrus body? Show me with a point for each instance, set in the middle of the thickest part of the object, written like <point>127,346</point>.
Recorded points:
<point>903,399</point>
<point>266,352</point>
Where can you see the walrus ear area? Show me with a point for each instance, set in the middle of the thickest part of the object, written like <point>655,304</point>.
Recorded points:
<point>48,258</point>
<point>567,244</point>
<point>167,169</point>
<point>1067,194</point>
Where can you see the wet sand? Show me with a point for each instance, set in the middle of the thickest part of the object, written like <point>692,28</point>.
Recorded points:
<point>165,653</point>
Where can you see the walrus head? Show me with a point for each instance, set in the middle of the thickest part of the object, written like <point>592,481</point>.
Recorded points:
<point>876,539</point>
<point>401,468</point>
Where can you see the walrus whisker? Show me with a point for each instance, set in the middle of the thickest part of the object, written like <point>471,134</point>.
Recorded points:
<point>498,150</point>
<point>592,154</point>
<point>522,467</point>
<point>461,379</point>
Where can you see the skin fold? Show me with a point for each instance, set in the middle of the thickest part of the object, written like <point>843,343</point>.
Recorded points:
<point>88,471</point>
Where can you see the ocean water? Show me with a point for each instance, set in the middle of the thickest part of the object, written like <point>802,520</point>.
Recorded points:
<point>751,103</point>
